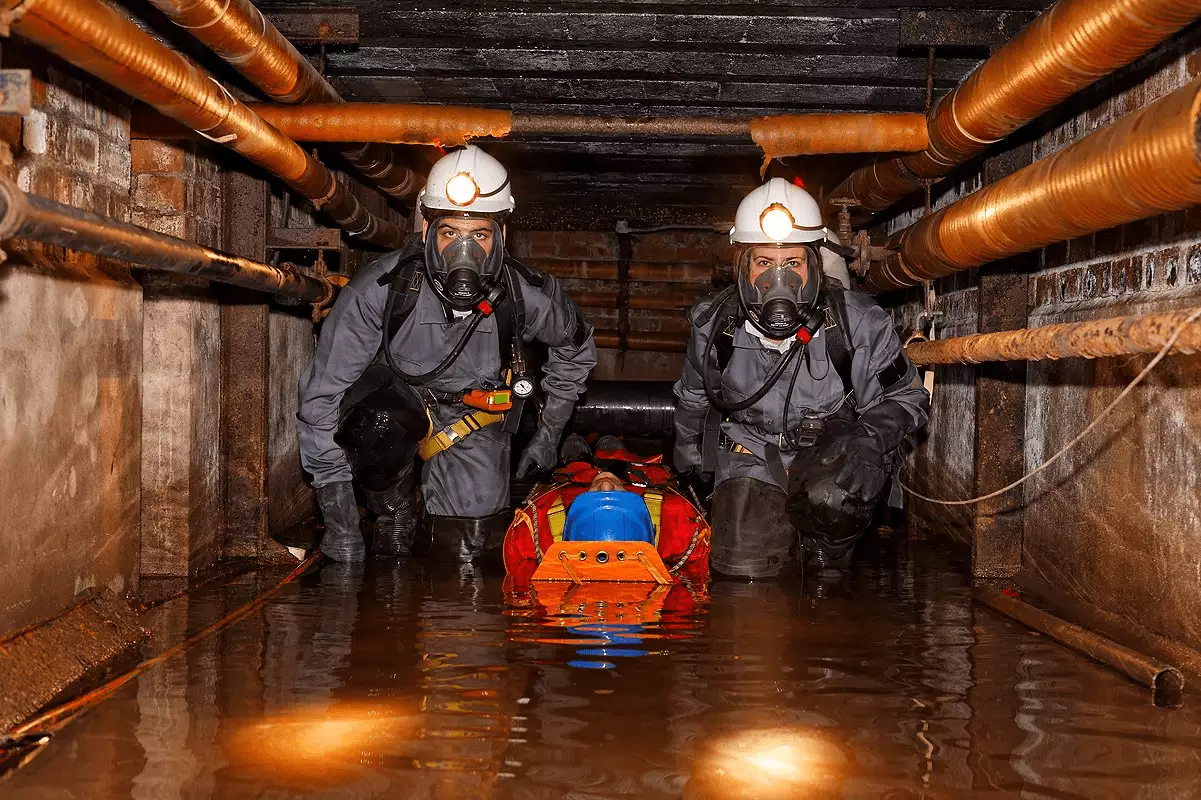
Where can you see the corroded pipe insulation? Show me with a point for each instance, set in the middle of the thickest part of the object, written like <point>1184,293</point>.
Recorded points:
<point>386,122</point>
<point>238,32</point>
<point>98,39</point>
<point>1144,164</point>
<point>404,123</point>
<point>28,216</point>
<point>1116,336</point>
<point>1066,49</point>
<point>802,134</point>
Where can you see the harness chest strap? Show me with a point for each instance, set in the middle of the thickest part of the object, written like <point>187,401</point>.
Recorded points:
<point>452,434</point>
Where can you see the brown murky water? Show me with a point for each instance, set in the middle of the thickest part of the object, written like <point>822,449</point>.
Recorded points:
<point>401,683</point>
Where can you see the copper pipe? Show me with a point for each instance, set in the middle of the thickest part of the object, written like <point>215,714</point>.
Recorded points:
<point>805,134</point>
<point>405,123</point>
<point>26,216</point>
<point>1165,681</point>
<point>1116,336</point>
<point>238,32</point>
<point>1144,164</point>
<point>95,37</point>
<point>643,340</point>
<point>1066,49</point>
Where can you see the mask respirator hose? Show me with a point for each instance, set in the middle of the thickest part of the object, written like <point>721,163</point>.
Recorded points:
<point>425,377</point>
<point>714,394</point>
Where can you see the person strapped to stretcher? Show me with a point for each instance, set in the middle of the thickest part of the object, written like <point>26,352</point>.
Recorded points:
<point>608,516</point>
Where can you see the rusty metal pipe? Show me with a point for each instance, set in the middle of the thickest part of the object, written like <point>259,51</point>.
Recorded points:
<point>98,39</point>
<point>1144,164</point>
<point>239,33</point>
<point>406,123</point>
<point>27,216</point>
<point>1165,682</point>
<point>643,340</point>
<point>1116,336</point>
<point>1067,48</point>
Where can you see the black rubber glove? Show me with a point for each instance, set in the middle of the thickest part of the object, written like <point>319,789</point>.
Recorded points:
<point>859,459</point>
<point>541,454</point>
<point>858,466</point>
<point>343,541</point>
<point>690,432</point>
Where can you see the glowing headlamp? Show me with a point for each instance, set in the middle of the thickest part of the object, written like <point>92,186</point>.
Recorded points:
<point>776,222</point>
<point>461,189</point>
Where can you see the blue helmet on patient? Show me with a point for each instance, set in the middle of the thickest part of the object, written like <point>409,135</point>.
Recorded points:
<point>608,517</point>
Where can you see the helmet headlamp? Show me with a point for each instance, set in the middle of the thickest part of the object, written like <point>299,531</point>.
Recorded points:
<point>461,189</point>
<point>776,222</point>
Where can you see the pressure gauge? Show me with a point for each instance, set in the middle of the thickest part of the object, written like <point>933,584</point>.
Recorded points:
<point>523,387</point>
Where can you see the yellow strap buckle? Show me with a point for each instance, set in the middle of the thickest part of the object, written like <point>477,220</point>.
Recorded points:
<point>455,432</point>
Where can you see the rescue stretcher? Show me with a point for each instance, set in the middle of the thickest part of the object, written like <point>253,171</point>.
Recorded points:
<point>543,546</point>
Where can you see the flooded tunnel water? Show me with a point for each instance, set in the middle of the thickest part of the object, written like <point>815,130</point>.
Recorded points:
<point>410,682</point>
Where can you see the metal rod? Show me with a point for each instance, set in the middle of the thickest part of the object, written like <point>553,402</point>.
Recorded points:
<point>1165,682</point>
<point>651,341</point>
<point>404,123</point>
<point>1144,164</point>
<point>27,216</point>
<point>646,302</point>
<point>1116,336</point>
<point>1069,47</point>
<point>239,33</point>
<point>98,39</point>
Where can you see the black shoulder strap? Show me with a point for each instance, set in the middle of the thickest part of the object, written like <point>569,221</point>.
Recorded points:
<point>404,288</point>
<point>510,321</point>
<point>837,331</point>
<point>722,315</point>
<point>534,277</point>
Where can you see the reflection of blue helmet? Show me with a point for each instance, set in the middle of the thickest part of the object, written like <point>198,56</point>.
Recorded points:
<point>608,517</point>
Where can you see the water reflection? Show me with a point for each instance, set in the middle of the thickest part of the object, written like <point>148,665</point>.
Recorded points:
<point>404,681</point>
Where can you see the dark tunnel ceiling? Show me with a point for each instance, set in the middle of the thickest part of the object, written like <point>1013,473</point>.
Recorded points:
<point>664,58</point>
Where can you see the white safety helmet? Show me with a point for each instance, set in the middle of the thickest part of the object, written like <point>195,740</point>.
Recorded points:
<point>466,181</point>
<point>777,213</point>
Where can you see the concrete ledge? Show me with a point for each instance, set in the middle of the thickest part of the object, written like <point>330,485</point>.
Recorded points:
<point>66,654</point>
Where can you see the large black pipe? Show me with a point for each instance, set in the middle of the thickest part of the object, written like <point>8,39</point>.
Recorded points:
<point>28,216</point>
<point>634,408</point>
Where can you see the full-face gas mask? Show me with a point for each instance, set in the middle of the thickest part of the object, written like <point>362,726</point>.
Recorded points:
<point>462,275</point>
<point>782,299</point>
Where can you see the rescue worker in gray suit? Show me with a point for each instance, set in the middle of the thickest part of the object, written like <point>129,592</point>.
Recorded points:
<point>796,392</point>
<point>454,311</point>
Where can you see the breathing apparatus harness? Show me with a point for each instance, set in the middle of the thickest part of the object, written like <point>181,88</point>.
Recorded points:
<point>505,302</point>
<point>727,313</point>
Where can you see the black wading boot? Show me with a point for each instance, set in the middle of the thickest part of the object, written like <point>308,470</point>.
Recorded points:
<point>343,541</point>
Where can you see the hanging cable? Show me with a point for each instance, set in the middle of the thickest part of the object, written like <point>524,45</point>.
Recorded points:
<point>38,731</point>
<point>1163,352</point>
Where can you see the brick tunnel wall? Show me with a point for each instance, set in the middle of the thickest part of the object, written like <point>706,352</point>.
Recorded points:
<point>676,267</point>
<point>147,421</point>
<point>70,365</point>
<point>1115,523</point>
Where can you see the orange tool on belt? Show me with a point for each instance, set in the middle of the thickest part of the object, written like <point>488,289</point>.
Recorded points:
<point>496,401</point>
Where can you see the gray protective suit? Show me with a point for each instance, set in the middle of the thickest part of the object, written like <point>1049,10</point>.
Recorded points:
<point>471,479</point>
<point>818,393</point>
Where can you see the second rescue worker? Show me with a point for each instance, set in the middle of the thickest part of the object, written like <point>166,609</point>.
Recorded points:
<point>796,392</point>
<point>423,354</point>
